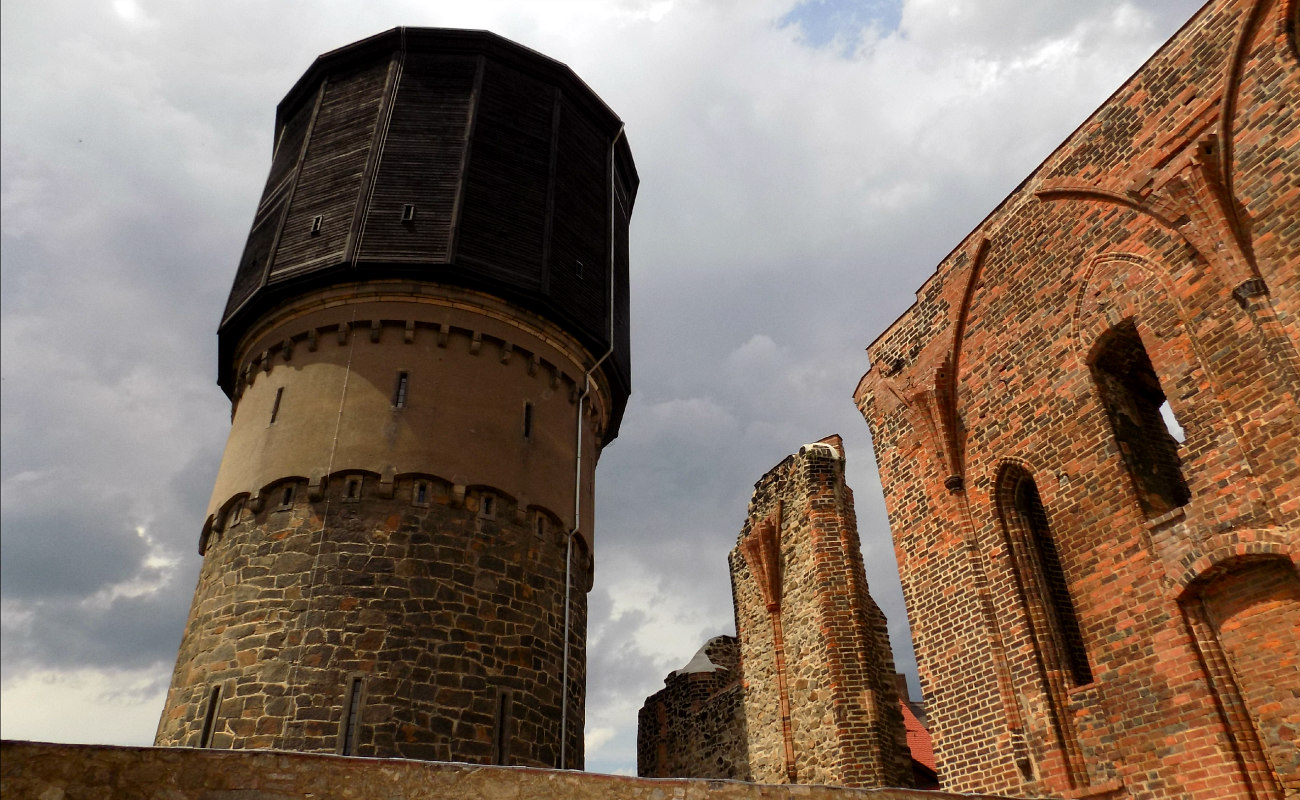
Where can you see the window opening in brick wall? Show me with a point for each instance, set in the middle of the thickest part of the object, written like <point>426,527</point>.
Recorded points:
<point>503,721</point>
<point>399,391</point>
<point>351,717</point>
<point>1171,423</point>
<point>487,507</point>
<point>528,420</point>
<point>210,718</point>
<point>1131,394</point>
<point>275,406</point>
<point>286,496</point>
<point>541,525</point>
<point>352,489</point>
<point>420,493</point>
<point>1045,583</point>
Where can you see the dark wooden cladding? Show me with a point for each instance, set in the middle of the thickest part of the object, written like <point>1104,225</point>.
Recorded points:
<point>580,229</point>
<point>503,157</point>
<point>503,213</point>
<point>329,184</point>
<point>421,162</point>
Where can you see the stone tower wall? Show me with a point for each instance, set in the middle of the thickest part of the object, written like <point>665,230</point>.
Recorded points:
<point>388,534</point>
<point>695,726</point>
<point>444,614</point>
<point>1100,608</point>
<point>820,699</point>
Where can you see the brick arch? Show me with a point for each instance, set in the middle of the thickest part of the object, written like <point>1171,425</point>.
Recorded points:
<point>1222,551</point>
<point>1231,86</point>
<point>1243,612</point>
<point>1041,593</point>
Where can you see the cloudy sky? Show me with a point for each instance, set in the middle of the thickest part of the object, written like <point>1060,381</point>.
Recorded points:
<point>804,165</point>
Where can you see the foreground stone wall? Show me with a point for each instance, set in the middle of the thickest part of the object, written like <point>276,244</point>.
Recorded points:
<point>82,772</point>
<point>1101,605</point>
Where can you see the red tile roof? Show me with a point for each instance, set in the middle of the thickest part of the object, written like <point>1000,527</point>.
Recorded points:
<point>918,738</point>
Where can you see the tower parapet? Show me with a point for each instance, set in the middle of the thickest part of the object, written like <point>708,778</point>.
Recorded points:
<point>426,347</point>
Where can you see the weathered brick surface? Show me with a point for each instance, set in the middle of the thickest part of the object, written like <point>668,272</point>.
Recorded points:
<point>817,700</point>
<point>439,609</point>
<point>1168,225</point>
<point>81,772</point>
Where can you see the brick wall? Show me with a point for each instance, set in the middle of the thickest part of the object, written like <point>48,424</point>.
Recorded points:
<point>820,698</point>
<point>806,692</point>
<point>1103,640</point>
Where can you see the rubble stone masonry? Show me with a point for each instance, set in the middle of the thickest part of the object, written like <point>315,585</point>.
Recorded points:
<point>1089,440</point>
<point>806,691</point>
<point>446,617</point>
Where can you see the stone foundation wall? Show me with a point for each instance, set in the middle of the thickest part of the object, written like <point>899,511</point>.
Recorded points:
<point>449,612</point>
<point>91,772</point>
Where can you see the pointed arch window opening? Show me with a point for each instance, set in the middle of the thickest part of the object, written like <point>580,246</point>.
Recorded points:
<point>1146,431</point>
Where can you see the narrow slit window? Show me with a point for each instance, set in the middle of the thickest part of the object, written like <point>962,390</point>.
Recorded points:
<point>408,213</point>
<point>352,489</point>
<point>351,717</point>
<point>210,718</point>
<point>528,420</point>
<point>286,497</point>
<point>316,223</point>
<point>1041,574</point>
<point>275,404</point>
<point>541,525</point>
<point>420,494</point>
<point>1135,405</point>
<point>236,510</point>
<point>400,389</point>
<point>503,728</point>
<point>487,507</point>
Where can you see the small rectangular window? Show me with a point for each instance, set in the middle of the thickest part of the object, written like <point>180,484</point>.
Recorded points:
<point>351,717</point>
<point>487,507</point>
<point>528,420</point>
<point>352,489</point>
<point>210,718</point>
<point>286,497</point>
<point>420,493</point>
<point>400,390</point>
<point>408,213</point>
<point>275,405</point>
<point>541,525</point>
<point>316,223</point>
<point>503,728</point>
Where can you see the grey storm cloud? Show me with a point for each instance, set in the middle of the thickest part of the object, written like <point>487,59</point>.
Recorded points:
<point>804,165</point>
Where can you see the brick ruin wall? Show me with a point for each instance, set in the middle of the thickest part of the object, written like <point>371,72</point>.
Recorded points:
<point>695,726</point>
<point>820,698</point>
<point>806,693</point>
<point>450,616</point>
<point>1098,608</point>
<point>91,772</point>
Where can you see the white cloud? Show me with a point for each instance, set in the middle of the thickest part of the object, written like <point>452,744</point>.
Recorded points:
<point>793,197</point>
